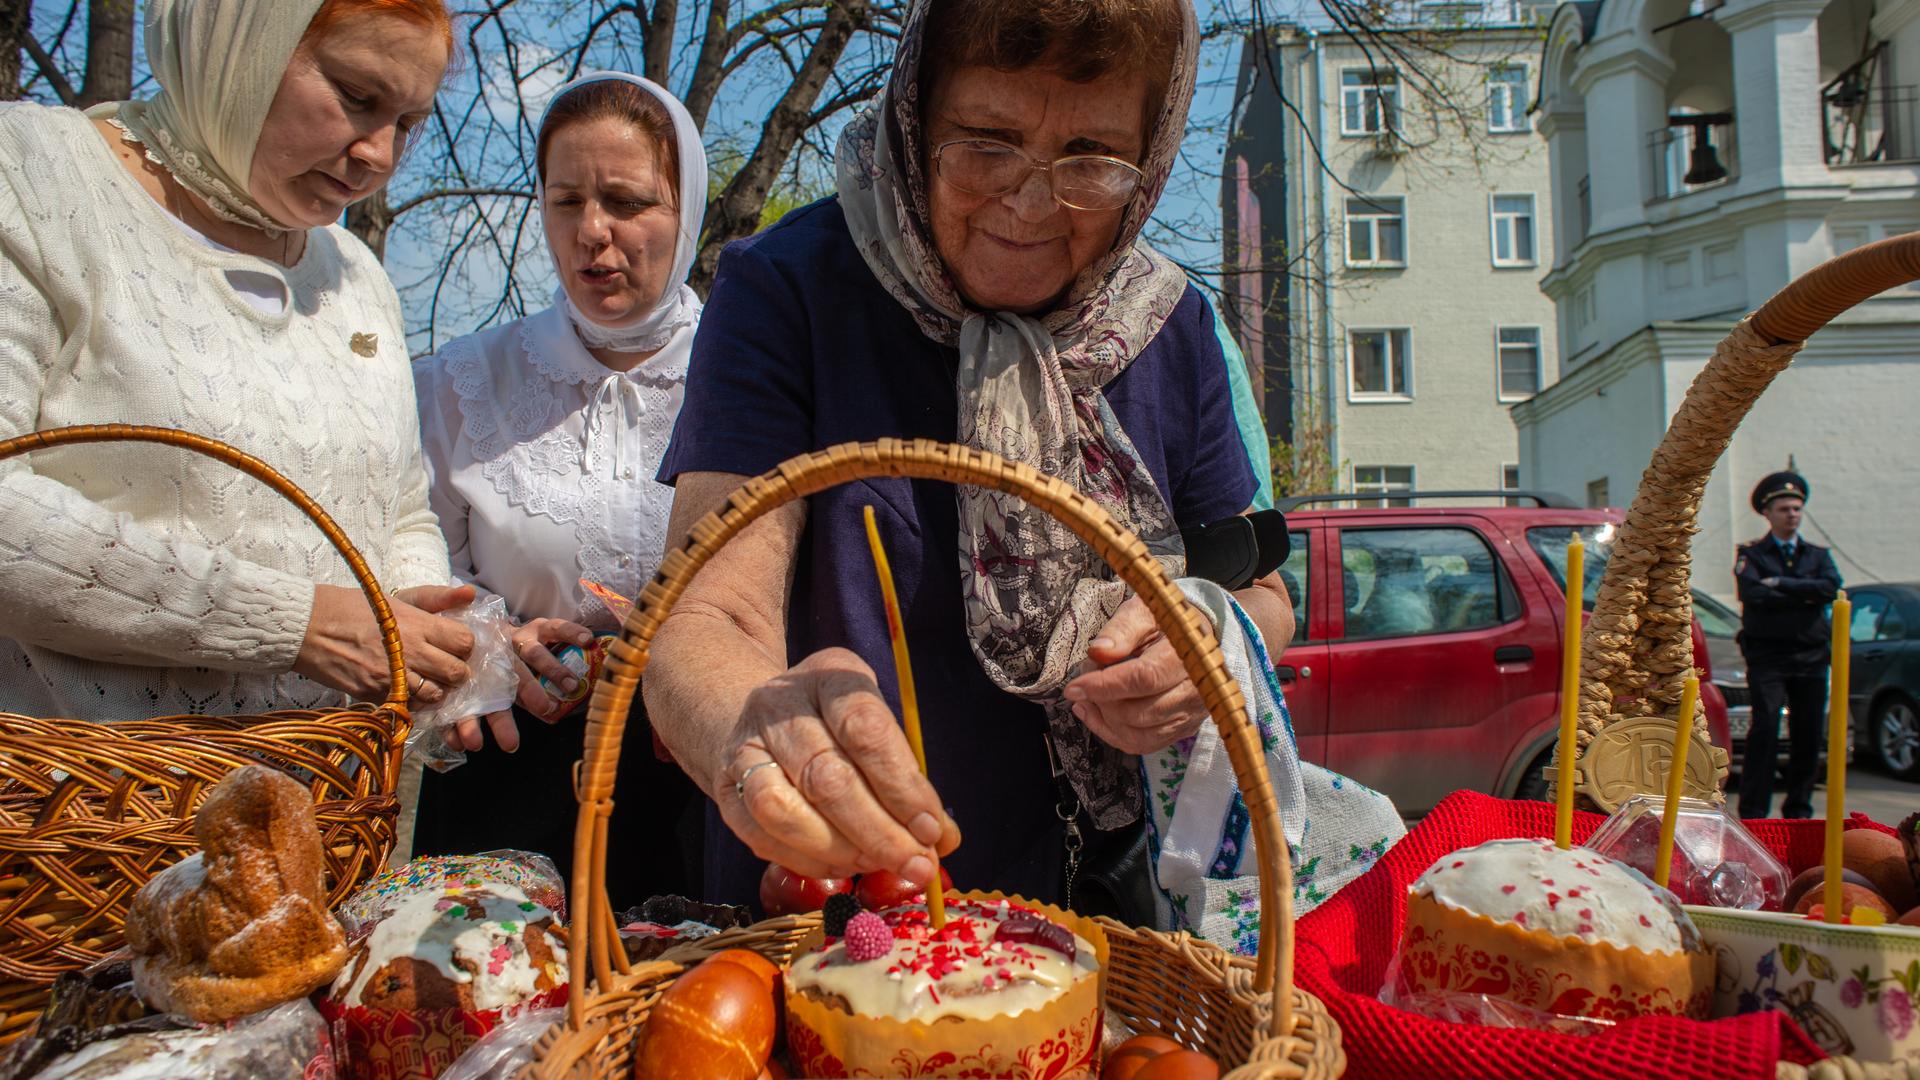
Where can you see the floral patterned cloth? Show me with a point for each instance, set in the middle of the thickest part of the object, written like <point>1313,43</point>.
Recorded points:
<point>1030,390</point>
<point>1198,825</point>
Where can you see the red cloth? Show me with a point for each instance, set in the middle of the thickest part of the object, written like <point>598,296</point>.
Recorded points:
<point>1346,943</point>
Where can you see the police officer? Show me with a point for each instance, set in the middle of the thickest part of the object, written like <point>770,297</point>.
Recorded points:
<point>1786,584</point>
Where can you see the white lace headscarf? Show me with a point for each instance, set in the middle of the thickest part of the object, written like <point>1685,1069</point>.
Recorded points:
<point>219,65</point>
<point>1031,388</point>
<point>678,305</point>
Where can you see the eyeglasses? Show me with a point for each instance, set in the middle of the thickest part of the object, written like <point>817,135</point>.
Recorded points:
<point>990,169</point>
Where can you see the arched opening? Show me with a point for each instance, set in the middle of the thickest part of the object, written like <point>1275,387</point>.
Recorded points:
<point>1866,113</point>
<point>1563,120</point>
<point>1695,145</point>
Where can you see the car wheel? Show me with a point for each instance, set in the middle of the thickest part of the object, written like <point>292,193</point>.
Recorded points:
<point>1896,737</point>
<point>1533,782</point>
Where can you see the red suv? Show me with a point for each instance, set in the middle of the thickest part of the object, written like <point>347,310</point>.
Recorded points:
<point>1426,657</point>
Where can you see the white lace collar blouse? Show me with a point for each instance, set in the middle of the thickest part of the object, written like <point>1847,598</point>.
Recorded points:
<point>543,460</point>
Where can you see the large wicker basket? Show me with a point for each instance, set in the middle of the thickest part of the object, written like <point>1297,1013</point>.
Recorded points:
<point>1247,1014</point>
<point>90,811</point>
<point>1639,647</point>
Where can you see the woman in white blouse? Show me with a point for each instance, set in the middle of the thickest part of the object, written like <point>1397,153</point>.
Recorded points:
<point>178,261</point>
<point>543,437</point>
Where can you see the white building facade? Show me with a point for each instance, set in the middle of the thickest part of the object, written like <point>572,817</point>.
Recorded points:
<point>1703,156</point>
<point>1414,211</point>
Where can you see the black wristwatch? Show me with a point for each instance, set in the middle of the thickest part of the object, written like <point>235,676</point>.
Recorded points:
<point>1234,552</point>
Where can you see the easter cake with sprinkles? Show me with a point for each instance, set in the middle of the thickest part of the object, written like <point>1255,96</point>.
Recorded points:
<point>1561,932</point>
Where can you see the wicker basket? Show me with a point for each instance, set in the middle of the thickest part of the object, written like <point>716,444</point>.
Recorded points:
<point>90,811</point>
<point>1247,1014</point>
<point>1639,647</point>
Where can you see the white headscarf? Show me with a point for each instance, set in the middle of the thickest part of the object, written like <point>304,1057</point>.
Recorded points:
<point>219,65</point>
<point>679,305</point>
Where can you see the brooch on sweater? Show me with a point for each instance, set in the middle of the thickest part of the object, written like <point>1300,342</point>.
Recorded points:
<point>364,344</point>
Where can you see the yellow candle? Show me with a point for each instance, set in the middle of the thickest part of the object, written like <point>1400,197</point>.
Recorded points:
<point>1837,751</point>
<point>1676,778</point>
<point>1569,694</point>
<point>909,702</point>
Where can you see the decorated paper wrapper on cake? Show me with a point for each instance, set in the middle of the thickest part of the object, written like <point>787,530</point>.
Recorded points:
<point>443,950</point>
<point>1054,1040</point>
<point>1546,937</point>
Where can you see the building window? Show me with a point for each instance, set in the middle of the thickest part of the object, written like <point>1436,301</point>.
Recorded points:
<point>1507,99</point>
<point>1597,493</point>
<point>1382,479</point>
<point>1510,481</point>
<point>1519,358</point>
<point>1379,365</point>
<point>1377,231</point>
<point>1369,101</point>
<point>1512,230</point>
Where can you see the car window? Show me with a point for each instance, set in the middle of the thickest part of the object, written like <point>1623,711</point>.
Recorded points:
<point>1871,613</point>
<point>1550,543</point>
<point>1400,582</point>
<point>1293,573</point>
<point>1893,626</point>
<point>1716,618</point>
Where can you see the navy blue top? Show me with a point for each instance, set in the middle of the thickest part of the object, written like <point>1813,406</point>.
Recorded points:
<point>801,348</point>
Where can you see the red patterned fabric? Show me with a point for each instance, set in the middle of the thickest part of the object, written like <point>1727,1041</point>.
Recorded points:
<point>1346,943</point>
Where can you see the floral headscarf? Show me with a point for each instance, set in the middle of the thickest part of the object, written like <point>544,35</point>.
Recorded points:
<point>1030,389</point>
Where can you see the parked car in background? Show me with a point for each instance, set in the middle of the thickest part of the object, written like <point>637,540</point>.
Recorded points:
<point>1884,689</point>
<point>1426,655</point>
<point>1721,625</point>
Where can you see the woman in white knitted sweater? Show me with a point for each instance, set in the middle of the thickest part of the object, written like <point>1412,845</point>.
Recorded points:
<point>176,262</point>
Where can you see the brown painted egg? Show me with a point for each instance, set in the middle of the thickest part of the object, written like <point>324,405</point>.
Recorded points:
<point>1180,1065</point>
<point>1131,1056</point>
<point>1851,896</point>
<point>1811,877</point>
<point>716,1022</point>
<point>1883,861</point>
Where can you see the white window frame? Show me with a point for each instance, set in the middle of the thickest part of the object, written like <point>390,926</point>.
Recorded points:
<point>1383,491</point>
<point>1499,361</point>
<point>1373,232</point>
<point>1517,122</point>
<point>1386,119</point>
<point>1497,218</point>
<point>1400,394</point>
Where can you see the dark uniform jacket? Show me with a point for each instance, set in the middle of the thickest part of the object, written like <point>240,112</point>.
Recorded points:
<point>1784,625</point>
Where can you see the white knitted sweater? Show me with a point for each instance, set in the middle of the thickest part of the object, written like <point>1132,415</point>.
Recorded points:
<point>138,580</point>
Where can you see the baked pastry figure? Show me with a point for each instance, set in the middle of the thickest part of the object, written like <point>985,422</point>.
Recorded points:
<point>1564,933</point>
<point>241,925</point>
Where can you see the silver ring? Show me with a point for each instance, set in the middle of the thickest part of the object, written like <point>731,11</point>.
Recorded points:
<point>740,785</point>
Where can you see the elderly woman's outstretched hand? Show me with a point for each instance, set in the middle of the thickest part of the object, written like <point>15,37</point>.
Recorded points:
<point>818,776</point>
<point>1135,694</point>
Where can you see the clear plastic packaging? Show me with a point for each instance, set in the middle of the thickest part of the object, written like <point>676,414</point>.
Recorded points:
<point>494,684</point>
<point>1716,861</point>
<point>1483,1010</point>
<point>287,1040</point>
<point>501,1052</point>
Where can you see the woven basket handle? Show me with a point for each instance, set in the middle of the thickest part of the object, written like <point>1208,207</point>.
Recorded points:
<point>1639,646</point>
<point>1813,299</point>
<point>594,932</point>
<point>265,473</point>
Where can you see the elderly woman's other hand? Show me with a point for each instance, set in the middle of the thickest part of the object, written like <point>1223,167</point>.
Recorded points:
<point>343,648</point>
<point>820,778</point>
<point>1136,696</point>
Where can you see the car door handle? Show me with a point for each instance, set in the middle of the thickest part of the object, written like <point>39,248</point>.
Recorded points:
<point>1287,674</point>
<point>1512,654</point>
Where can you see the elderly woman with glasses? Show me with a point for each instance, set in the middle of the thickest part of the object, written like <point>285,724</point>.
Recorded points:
<point>979,279</point>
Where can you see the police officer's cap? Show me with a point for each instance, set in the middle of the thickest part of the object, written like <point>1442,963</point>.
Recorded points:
<point>1777,486</point>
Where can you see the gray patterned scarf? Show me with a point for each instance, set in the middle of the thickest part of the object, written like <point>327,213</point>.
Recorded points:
<point>1030,389</point>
